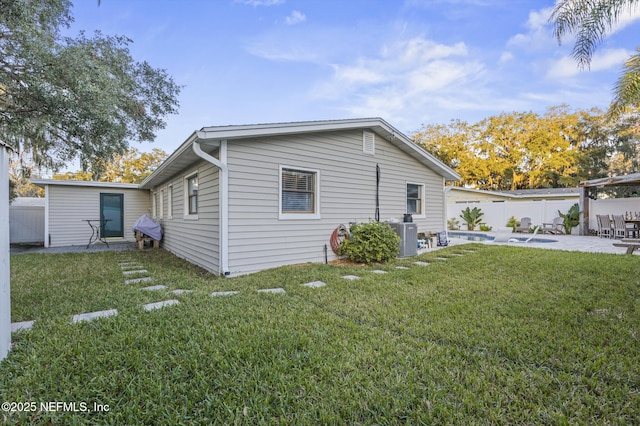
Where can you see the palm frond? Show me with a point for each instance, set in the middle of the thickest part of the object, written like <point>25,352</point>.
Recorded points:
<point>589,20</point>
<point>627,88</point>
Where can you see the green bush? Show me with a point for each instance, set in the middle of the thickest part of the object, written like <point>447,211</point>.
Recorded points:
<point>485,228</point>
<point>472,217</point>
<point>513,223</point>
<point>371,242</point>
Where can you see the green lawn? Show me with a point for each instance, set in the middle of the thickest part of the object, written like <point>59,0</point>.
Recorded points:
<point>503,335</point>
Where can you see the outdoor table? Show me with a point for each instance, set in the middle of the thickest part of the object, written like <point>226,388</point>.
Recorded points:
<point>636,226</point>
<point>95,231</point>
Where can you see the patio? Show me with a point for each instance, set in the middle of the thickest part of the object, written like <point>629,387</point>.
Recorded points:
<point>588,244</point>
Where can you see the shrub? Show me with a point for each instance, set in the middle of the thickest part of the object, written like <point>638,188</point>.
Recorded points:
<point>371,242</point>
<point>513,223</point>
<point>453,224</point>
<point>571,218</point>
<point>472,217</point>
<point>484,227</point>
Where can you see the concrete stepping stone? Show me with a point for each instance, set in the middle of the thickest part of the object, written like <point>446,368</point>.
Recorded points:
<point>420,263</point>
<point>131,268</point>
<point>138,280</point>
<point>401,267</point>
<point>180,291</point>
<point>223,293</point>
<point>314,284</point>
<point>457,254</point>
<point>158,305</point>
<point>272,290</point>
<point>441,258</point>
<point>22,325</point>
<point>90,316</point>
<point>379,271</point>
<point>351,277</point>
<point>154,287</point>
<point>135,272</point>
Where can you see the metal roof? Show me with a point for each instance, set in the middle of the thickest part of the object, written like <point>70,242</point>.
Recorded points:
<point>210,137</point>
<point>86,183</point>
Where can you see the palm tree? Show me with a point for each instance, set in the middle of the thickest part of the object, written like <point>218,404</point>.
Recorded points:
<point>590,21</point>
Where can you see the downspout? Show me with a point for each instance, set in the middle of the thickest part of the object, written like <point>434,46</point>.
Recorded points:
<point>447,188</point>
<point>223,206</point>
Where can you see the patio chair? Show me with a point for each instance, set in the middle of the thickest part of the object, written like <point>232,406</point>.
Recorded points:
<point>556,226</point>
<point>525,225</point>
<point>620,229</point>
<point>604,226</point>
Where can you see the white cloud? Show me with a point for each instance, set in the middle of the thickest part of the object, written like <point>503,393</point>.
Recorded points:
<point>506,57</point>
<point>539,35</point>
<point>295,18</point>
<point>405,78</point>
<point>255,3</point>
<point>605,59</point>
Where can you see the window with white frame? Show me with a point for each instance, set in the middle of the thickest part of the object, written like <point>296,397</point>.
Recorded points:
<point>415,199</point>
<point>154,205</point>
<point>169,201</point>
<point>299,193</point>
<point>191,196</point>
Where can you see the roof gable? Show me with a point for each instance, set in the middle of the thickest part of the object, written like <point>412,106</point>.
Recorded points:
<point>212,136</point>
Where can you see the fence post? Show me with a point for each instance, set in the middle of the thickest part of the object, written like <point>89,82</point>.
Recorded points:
<point>5,296</point>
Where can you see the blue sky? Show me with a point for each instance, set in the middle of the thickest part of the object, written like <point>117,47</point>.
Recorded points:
<point>411,62</point>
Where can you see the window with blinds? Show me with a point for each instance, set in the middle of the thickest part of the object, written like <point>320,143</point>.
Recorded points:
<point>414,198</point>
<point>298,191</point>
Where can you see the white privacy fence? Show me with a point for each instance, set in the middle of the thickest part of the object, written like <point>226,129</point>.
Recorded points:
<point>26,220</point>
<point>497,214</point>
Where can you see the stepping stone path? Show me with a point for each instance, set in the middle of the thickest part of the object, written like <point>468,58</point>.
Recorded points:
<point>158,305</point>
<point>23,325</point>
<point>272,290</point>
<point>315,284</point>
<point>130,268</point>
<point>351,277</point>
<point>90,316</point>
<point>223,293</point>
<point>137,280</point>
<point>135,272</point>
<point>154,287</point>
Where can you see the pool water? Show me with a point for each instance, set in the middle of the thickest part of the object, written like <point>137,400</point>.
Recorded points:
<point>472,236</point>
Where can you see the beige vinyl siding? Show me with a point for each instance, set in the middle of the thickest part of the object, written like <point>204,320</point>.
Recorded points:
<point>258,239</point>
<point>196,240</point>
<point>70,206</point>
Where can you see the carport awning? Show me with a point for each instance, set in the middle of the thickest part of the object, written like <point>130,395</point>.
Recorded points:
<point>631,179</point>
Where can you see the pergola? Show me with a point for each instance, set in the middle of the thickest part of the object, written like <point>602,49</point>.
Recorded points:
<point>587,188</point>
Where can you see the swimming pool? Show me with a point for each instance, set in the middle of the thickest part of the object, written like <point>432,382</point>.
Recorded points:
<point>472,236</point>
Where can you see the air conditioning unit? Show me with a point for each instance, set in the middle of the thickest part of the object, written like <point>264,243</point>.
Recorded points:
<point>408,233</point>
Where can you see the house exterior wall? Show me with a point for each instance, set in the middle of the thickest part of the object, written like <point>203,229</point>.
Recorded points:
<point>258,239</point>
<point>69,206</point>
<point>193,239</point>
